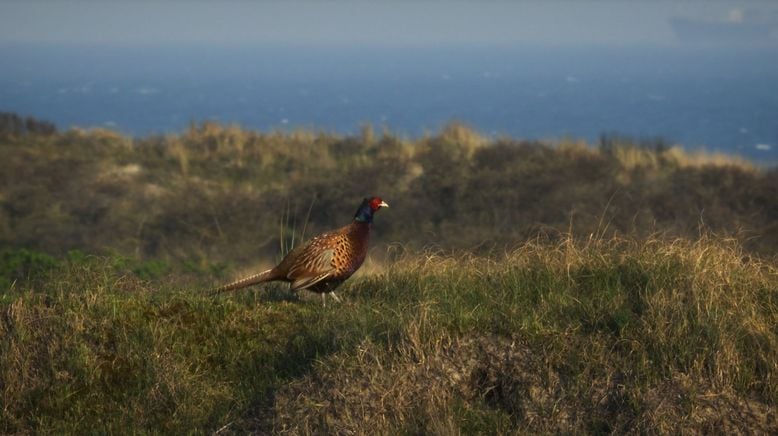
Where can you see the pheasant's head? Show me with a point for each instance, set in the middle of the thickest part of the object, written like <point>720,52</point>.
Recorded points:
<point>368,207</point>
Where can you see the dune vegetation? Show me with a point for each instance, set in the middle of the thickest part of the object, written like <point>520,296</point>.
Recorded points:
<point>599,336</point>
<point>513,287</point>
<point>216,194</point>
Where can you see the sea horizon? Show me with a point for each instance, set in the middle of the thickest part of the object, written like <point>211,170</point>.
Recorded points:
<point>717,98</point>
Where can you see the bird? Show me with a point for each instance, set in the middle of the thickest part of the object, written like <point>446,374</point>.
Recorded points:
<point>324,262</point>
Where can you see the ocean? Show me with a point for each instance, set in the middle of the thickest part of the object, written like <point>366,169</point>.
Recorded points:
<point>716,98</point>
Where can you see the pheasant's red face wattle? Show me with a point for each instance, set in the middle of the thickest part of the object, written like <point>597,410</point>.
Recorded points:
<point>376,203</point>
<point>368,207</point>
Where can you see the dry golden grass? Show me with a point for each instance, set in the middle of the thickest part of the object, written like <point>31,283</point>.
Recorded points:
<point>612,335</point>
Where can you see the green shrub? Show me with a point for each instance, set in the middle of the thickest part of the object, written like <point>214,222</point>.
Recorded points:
<point>24,265</point>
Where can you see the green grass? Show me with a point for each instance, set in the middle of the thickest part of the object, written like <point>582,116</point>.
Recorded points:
<point>592,336</point>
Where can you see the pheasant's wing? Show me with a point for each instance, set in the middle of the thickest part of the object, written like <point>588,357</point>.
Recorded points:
<point>311,267</point>
<point>311,263</point>
<point>307,282</point>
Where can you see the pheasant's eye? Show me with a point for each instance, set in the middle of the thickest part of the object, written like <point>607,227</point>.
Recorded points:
<point>375,203</point>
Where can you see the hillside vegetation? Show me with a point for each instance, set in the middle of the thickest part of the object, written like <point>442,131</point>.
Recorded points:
<point>514,287</point>
<point>216,195</point>
<point>601,336</point>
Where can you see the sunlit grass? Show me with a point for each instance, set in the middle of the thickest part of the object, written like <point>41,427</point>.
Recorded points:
<point>595,335</point>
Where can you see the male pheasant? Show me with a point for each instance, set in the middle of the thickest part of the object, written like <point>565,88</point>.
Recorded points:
<point>325,261</point>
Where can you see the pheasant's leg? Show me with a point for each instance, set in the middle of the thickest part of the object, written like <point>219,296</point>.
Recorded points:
<point>292,293</point>
<point>334,296</point>
<point>323,299</point>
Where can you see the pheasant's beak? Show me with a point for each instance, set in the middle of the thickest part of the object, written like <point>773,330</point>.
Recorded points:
<point>383,204</point>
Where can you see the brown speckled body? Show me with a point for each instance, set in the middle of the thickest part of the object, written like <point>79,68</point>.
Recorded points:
<point>336,255</point>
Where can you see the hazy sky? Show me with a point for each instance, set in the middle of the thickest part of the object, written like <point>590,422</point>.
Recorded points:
<point>355,22</point>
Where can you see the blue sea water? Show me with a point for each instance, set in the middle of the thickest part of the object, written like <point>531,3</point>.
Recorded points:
<point>722,99</point>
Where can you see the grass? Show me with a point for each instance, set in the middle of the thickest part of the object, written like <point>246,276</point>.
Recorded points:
<point>587,336</point>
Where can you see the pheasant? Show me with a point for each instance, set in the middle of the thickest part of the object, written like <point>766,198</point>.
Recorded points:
<point>325,261</point>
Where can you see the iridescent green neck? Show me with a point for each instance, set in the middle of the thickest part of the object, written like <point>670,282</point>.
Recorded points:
<point>364,216</point>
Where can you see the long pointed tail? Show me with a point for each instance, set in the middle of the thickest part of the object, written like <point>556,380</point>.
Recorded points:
<point>264,276</point>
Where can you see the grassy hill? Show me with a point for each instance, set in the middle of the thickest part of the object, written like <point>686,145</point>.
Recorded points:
<point>513,287</point>
<point>602,335</point>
